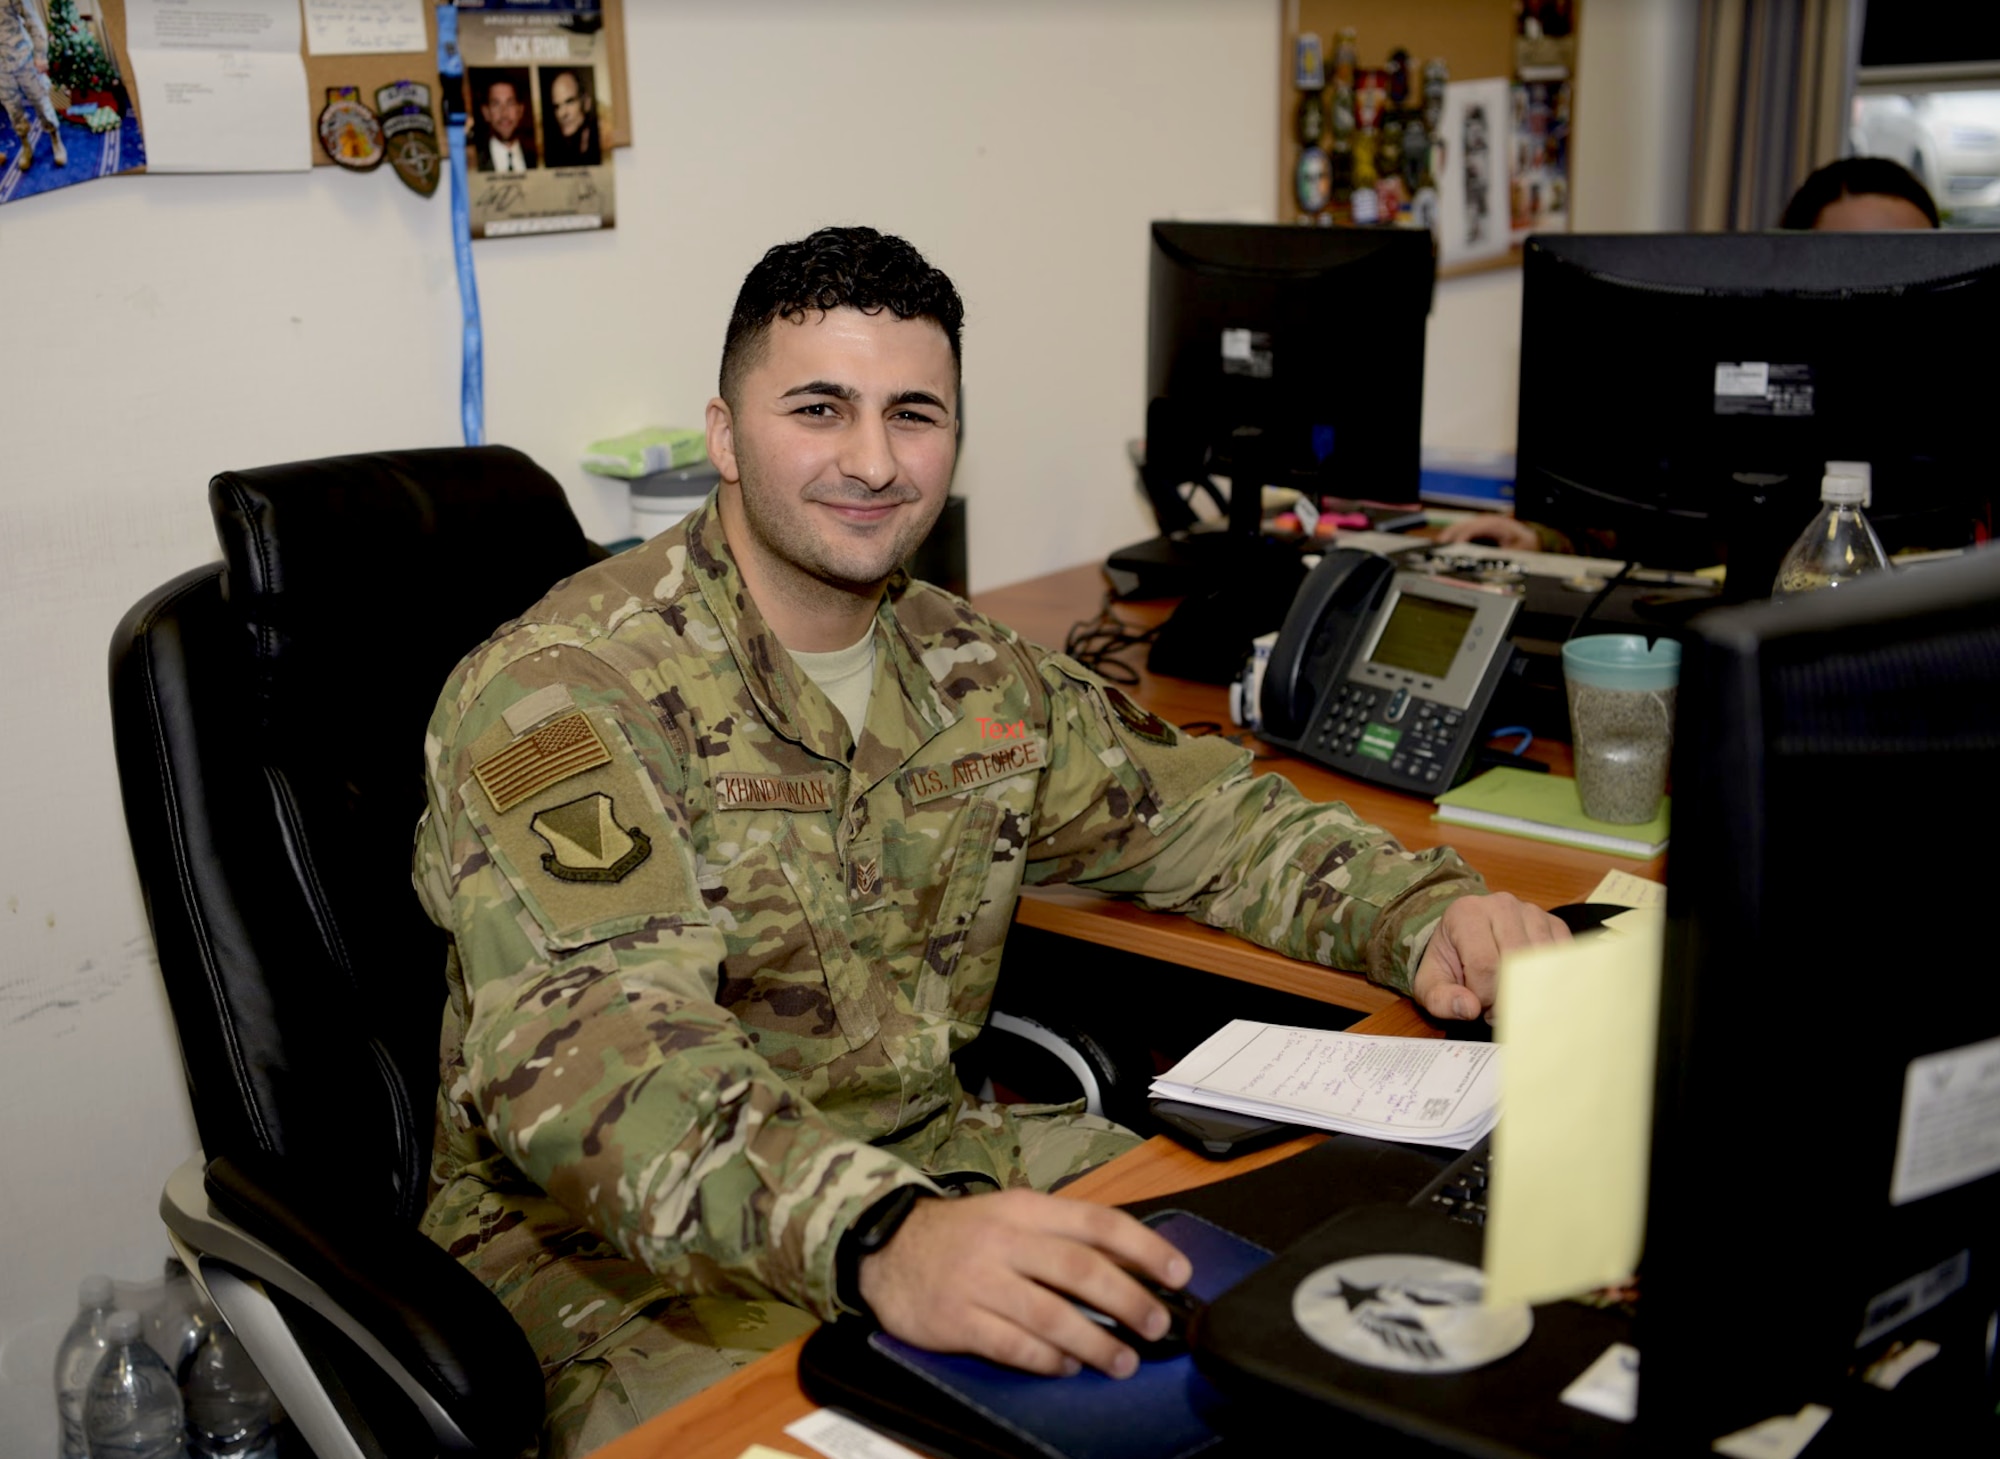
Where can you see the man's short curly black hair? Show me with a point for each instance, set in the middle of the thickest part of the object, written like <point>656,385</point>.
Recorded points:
<point>835,268</point>
<point>1856,177</point>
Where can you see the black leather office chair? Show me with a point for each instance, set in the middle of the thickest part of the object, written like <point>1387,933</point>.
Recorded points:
<point>268,715</point>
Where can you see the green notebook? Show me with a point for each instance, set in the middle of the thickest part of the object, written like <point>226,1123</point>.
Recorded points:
<point>1546,808</point>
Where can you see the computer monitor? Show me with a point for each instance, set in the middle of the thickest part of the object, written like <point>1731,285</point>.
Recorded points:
<point>1826,1150</point>
<point>1682,394</point>
<point>1275,355</point>
<point>1313,338</point>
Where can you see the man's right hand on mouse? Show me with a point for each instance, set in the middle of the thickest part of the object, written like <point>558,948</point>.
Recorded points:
<point>992,1274</point>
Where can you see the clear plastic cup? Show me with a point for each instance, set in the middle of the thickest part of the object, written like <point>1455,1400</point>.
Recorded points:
<point>1621,717</point>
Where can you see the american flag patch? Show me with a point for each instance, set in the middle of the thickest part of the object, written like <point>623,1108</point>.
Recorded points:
<point>565,747</point>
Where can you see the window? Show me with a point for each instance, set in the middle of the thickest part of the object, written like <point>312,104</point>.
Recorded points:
<point>1927,95</point>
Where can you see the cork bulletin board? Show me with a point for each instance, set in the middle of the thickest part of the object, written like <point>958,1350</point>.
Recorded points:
<point>371,72</point>
<point>1523,49</point>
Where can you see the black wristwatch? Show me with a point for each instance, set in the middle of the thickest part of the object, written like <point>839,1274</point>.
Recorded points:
<point>868,1235</point>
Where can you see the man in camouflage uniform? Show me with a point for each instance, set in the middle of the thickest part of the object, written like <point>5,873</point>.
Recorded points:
<point>728,831</point>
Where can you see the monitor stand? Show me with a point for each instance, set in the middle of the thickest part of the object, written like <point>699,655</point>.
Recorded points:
<point>1247,590</point>
<point>1234,582</point>
<point>1172,565</point>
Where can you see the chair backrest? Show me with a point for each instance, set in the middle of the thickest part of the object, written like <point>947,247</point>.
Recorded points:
<point>269,718</point>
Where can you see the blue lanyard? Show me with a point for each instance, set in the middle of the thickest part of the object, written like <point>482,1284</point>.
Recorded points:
<point>472,378</point>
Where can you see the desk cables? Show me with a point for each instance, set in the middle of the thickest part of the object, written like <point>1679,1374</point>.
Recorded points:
<point>1095,642</point>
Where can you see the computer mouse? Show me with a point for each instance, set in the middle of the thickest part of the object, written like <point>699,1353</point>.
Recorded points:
<point>1182,1308</point>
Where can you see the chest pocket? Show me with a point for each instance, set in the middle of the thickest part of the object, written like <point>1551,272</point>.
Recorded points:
<point>958,906</point>
<point>860,999</point>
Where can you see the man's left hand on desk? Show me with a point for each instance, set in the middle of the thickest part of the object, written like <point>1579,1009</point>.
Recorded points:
<point>1455,978</point>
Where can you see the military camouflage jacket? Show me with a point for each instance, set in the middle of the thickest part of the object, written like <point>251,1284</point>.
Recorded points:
<point>712,954</point>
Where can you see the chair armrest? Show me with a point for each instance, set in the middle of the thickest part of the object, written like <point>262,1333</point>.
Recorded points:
<point>1110,1075</point>
<point>424,1321</point>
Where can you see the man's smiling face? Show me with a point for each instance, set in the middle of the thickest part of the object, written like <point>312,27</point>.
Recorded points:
<point>836,453</point>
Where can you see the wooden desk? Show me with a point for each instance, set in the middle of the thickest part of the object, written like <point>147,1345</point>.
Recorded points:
<point>754,1405</point>
<point>1043,609</point>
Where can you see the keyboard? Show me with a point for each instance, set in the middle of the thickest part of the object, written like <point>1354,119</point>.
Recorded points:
<point>1459,1190</point>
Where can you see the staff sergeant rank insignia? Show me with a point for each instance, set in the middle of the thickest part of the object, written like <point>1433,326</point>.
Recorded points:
<point>588,842</point>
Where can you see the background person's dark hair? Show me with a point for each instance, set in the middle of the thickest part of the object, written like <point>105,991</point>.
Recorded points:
<point>835,268</point>
<point>1855,177</point>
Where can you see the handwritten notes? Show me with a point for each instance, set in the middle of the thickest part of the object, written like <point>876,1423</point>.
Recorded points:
<point>1426,1090</point>
<point>1623,889</point>
<point>364,27</point>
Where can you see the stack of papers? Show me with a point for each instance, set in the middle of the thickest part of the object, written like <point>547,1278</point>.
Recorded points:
<point>1425,1091</point>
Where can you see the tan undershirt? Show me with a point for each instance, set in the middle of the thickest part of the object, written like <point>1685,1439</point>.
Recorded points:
<point>846,676</point>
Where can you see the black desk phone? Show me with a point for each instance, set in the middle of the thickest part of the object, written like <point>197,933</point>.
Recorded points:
<point>1385,675</point>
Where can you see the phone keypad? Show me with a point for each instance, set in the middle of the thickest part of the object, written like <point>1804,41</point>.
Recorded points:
<point>1424,747</point>
<point>1348,714</point>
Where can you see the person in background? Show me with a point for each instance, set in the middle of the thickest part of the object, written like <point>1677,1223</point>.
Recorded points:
<point>1853,195</point>
<point>24,80</point>
<point>1860,195</point>
<point>570,133</point>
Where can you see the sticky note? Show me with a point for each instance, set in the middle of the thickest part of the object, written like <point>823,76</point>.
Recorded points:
<point>839,1437</point>
<point>1566,1209</point>
<point>1626,890</point>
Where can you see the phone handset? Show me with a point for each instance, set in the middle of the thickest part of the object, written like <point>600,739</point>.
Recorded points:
<point>1331,612</point>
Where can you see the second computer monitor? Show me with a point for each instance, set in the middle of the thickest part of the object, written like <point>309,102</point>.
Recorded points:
<point>1682,394</point>
<point>1293,353</point>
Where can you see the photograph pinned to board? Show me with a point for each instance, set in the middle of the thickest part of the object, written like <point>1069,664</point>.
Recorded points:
<point>66,115</point>
<point>1540,193</point>
<point>538,92</point>
<point>1473,218</point>
<point>1538,134</point>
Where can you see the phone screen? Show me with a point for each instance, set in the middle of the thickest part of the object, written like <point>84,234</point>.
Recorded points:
<point>1422,636</point>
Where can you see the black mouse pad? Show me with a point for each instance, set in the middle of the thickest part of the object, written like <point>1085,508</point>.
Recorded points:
<point>958,1405</point>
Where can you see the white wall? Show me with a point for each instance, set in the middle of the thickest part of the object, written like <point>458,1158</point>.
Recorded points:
<point>158,329</point>
<point>1629,174</point>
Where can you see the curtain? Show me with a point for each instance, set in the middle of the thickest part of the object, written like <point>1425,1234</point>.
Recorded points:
<point>1774,81</point>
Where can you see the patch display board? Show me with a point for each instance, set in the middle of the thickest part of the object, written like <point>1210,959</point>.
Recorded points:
<point>370,73</point>
<point>1477,40</point>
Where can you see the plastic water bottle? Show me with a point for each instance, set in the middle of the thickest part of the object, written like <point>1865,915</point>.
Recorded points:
<point>230,1414</point>
<point>132,1409</point>
<point>1837,547</point>
<point>77,1358</point>
<point>174,1323</point>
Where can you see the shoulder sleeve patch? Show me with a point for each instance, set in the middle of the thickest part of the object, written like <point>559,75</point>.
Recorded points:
<point>1142,722</point>
<point>1177,768</point>
<point>589,847</point>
